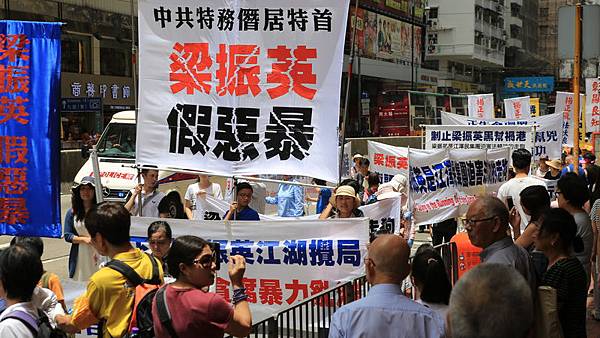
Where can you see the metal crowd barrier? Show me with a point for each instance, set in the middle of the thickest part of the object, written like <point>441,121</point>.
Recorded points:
<point>311,317</point>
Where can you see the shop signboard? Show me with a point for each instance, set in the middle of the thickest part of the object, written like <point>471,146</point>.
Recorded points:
<point>532,84</point>
<point>87,104</point>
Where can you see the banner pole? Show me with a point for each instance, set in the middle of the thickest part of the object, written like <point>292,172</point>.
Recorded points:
<point>96,169</point>
<point>576,77</point>
<point>139,197</point>
<point>347,98</point>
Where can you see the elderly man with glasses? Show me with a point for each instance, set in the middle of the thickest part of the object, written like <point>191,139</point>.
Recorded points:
<point>486,223</point>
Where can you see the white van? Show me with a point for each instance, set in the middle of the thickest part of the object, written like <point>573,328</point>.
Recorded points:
<point>116,156</point>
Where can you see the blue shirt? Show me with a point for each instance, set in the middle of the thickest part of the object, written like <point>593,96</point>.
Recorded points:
<point>289,200</point>
<point>247,214</point>
<point>386,312</point>
<point>571,168</point>
<point>324,197</point>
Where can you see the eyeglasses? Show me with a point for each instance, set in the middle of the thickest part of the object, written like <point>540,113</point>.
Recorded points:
<point>206,260</point>
<point>369,259</point>
<point>472,222</point>
<point>556,193</point>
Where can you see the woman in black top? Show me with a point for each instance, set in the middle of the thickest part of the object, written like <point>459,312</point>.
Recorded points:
<point>556,239</point>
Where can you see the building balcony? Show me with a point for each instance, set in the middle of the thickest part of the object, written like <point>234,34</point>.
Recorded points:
<point>491,5</point>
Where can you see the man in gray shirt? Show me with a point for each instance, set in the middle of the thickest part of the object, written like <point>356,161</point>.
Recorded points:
<point>486,223</point>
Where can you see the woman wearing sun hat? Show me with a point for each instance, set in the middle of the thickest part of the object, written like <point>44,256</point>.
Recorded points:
<point>83,258</point>
<point>555,170</point>
<point>343,204</point>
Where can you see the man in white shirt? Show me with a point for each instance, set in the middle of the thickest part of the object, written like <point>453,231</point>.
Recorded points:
<point>521,159</point>
<point>151,197</point>
<point>386,312</point>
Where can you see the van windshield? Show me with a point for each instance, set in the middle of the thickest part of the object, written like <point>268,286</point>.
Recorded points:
<point>118,141</point>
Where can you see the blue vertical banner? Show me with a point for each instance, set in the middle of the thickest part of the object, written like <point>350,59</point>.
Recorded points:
<point>29,127</point>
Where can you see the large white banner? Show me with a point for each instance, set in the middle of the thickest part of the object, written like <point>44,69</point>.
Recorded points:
<point>443,182</point>
<point>517,108</point>
<point>478,137</point>
<point>481,106</point>
<point>241,87</point>
<point>548,132</point>
<point>564,107</point>
<point>286,261</point>
<point>388,160</point>
<point>592,104</point>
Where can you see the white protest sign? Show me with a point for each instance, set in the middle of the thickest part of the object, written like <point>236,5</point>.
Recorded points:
<point>564,107</point>
<point>286,262</point>
<point>231,96</point>
<point>592,104</point>
<point>548,132</point>
<point>387,159</point>
<point>444,181</point>
<point>517,108</point>
<point>481,106</point>
<point>478,137</point>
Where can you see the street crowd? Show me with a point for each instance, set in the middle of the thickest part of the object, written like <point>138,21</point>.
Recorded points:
<point>538,262</point>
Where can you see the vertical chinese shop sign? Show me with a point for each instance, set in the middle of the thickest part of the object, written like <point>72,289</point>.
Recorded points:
<point>29,85</point>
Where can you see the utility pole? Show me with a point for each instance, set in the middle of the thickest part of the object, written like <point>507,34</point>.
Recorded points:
<point>576,78</point>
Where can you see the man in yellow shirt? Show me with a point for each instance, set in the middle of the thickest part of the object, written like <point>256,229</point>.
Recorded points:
<point>109,297</point>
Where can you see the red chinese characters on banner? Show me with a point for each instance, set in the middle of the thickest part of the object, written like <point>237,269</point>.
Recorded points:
<point>298,73</point>
<point>13,210</point>
<point>189,63</point>
<point>14,47</point>
<point>390,161</point>
<point>480,103</point>
<point>13,149</point>
<point>14,87</point>
<point>271,292</point>
<point>238,71</point>
<point>517,108</point>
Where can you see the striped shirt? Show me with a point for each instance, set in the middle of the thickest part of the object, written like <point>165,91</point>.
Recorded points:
<point>569,279</point>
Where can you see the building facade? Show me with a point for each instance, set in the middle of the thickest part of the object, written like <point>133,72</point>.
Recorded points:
<point>97,68</point>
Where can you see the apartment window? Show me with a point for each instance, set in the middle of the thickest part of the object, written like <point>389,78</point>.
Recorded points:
<point>433,13</point>
<point>543,12</point>
<point>76,53</point>
<point>115,58</point>
<point>515,32</point>
<point>478,36</point>
<point>515,10</point>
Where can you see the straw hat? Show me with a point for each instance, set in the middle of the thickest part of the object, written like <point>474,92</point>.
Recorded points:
<point>556,164</point>
<point>345,190</point>
<point>386,191</point>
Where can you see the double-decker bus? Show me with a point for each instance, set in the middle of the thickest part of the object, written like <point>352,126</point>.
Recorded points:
<point>403,112</point>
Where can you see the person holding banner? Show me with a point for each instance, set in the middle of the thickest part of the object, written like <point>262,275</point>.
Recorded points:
<point>555,167</point>
<point>356,167</point>
<point>83,258</point>
<point>289,199</point>
<point>323,194</point>
<point>151,197</point>
<point>195,196</point>
<point>193,311</point>
<point>344,203</point>
<point>240,209</point>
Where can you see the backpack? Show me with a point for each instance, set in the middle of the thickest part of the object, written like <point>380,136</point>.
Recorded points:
<point>164,314</point>
<point>141,318</point>
<point>40,327</point>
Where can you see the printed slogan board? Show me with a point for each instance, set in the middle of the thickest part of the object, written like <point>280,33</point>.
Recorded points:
<point>244,87</point>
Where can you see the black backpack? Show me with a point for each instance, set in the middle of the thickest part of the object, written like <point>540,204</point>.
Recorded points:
<point>145,291</point>
<point>40,327</point>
